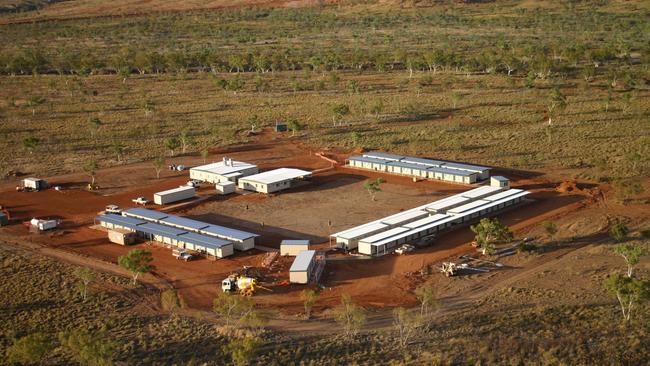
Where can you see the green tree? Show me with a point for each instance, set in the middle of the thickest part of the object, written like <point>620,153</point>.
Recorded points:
<point>90,168</point>
<point>350,316</point>
<point>85,276</point>
<point>204,154</point>
<point>91,348</point>
<point>629,292</point>
<point>426,295</point>
<point>94,124</point>
<point>29,349</point>
<point>356,137</point>
<point>489,231</point>
<point>377,108</point>
<point>124,73</point>
<point>339,111</point>
<point>373,187</point>
<point>30,143</point>
<point>172,144</point>
<point>627,98</point>
<point>406,325</point>
<point>118,149</point>
<point>34,101</point>
<point>170,301</point>
<point>294,125</point>
<point>556,103</point>
<point>158,164</point>
<point>353,86</point>
<point>185,140</point>
<point>618,231</point>
<point>149,107</point>
<point>550,227</point>
<point>632,254</point>
<point>309,298</point>
<point>231,306</point>
<point>242,351</point>
<point>137,261</point>
<point>455,97</point>
<point>255,318</point>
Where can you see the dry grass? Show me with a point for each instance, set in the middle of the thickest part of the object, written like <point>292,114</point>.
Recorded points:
<point>40,295</point>
<point>498,121</point>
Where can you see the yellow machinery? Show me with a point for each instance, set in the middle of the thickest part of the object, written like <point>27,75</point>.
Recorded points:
<point>246,286</point>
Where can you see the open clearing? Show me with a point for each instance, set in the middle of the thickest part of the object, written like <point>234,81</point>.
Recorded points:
<point>553,94</point>
<point>335,195</point>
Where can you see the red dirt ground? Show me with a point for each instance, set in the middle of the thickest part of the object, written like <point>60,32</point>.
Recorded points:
<point>376,282</point>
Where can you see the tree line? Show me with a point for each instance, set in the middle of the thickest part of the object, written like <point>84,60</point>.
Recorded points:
<point>502,58</point>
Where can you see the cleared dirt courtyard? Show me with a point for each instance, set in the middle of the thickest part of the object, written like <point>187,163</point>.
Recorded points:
<point>335,197</point>
<point>332,200</point>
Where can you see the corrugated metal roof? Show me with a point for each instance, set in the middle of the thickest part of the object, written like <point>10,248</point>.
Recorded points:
<point>416,160</point>
<point>447,202</point>
<point>492,203</point>
<point>368,159</point>
<point>415,230</point>
<point>468,206</point>
<point>425,221</point>
<point>444,170</point>
<point>162,230</point>
<point>185,222</point>
<point>381,155</point>
<point>120,220</point>
<point>226,232</point>
<point>294,242</point>
<point>361,230</point>
<point>175,190</point>
<point>481,192</point>
<point>500,178</point>
<point>404,216</point>
<point>384,235</point>
<point>276,175</point>
<point>503,194</point>
<point>143,212</point>
<point>220,168</point>
<point>408,165</point>
<point>203,240</point>
<point>302,261</point>
<point>470,167</point>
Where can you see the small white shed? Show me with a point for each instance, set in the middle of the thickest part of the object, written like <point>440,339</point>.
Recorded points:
<point>121,236</point>
<point>174,195</point>
<point>293,247</point>
<point>224,188</point>
<point>302,267</point>
<point>34,183</point>
<point>499,181</point>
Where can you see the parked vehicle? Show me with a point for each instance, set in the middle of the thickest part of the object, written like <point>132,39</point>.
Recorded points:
<point>43,225</point>
<point>113,209</point>
<point>193,183</point>
<point>406,248</point>
<point>181,254</point>
<point>425,241</point>
<point>244,285</point>
<point>140,201</point>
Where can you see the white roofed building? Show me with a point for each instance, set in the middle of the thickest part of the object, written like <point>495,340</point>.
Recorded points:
<point>273,180</point>
<point>227,170</point>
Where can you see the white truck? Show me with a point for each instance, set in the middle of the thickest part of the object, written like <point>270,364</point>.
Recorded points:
<point>43,225</point>
<point>113,209</point>
<point>406,248</point>
<point>140,201</point>
<point>181,254</point>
